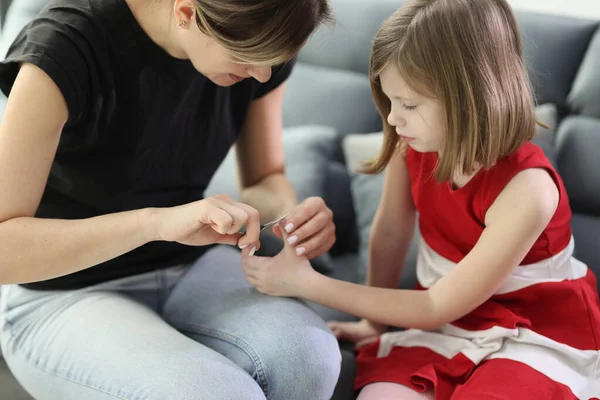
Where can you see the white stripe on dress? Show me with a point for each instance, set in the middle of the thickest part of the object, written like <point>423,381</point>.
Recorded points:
<point>577,369</point>
<point>431,267</point>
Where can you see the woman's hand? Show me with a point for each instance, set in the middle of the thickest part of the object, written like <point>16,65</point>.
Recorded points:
<point>309,227</point>
<point>283,275</point>
<point>216,219</point>
<point>360,333</point>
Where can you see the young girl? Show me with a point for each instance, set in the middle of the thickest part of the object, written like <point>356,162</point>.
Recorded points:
<point>502,309</point>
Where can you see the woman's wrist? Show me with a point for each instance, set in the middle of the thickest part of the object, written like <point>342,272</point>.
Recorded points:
<point>149,223</point>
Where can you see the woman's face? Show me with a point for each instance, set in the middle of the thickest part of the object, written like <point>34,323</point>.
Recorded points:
<point>213,60</point>
<point>216,63</point>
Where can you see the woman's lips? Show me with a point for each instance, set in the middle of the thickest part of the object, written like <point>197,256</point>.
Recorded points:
<point>236,78</point>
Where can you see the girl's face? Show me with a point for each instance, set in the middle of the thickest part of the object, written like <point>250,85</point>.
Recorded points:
<point>418,120</point>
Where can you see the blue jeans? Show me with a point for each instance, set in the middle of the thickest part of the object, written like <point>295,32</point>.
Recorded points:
<point>187,332</point>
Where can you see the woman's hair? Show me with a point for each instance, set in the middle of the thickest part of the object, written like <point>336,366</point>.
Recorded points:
<point>468,55</point>
<point>261,32</point>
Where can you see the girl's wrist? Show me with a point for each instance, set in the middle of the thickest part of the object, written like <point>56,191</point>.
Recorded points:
<point>307,282</point>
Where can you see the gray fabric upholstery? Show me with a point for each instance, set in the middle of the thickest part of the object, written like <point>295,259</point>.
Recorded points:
<point>4,4</point>
<point>339,199</point>
<point>584,97</point>
<point>578,142</point>
<point>18,13</point>
<point>324,96</point>
<point>586,231</point>
<point>346,45</point>
<point>307,150</point>
<point>554,47</point>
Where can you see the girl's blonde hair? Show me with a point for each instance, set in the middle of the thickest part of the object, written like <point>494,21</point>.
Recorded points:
<point>261,32</point>
<point>467,54</point>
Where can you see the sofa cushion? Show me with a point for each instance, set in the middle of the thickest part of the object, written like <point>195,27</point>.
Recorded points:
<point>307,150</point>
<point>549,41</point>
<point>578,142</point>
<point>323,96</point>
<point>583,98</point>
<point>366,194</point>
<point>339,199</point>
<point>586,232</point>
<point>547,114</point>
<point>346,45</point>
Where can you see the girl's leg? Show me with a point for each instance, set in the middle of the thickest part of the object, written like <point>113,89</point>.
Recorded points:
<point>281,342</point>
<point>392,391</point>
<point>101,345</point>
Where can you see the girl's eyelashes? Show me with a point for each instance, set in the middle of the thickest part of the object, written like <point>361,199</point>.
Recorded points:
<point>409,108</point>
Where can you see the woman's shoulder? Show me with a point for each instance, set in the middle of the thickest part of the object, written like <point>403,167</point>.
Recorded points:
<point>71,41</point>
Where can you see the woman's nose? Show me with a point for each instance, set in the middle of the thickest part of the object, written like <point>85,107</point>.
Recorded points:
<point>261,74</point>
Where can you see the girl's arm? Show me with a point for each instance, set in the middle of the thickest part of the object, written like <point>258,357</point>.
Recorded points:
<point>393,227</point>
<point>513,224</point>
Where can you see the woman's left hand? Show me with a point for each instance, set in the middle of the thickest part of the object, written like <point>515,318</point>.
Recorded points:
<point>283,275</point>
<point>309,228</point>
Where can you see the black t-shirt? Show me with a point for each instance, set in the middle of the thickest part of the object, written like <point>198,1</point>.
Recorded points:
<point>144,129</point>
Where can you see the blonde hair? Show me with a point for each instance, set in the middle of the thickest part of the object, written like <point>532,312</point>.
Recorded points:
<point>467,54</point>
<point>261,32</point>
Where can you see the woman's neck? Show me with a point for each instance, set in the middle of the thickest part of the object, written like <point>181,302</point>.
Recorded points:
<point>156,19</point>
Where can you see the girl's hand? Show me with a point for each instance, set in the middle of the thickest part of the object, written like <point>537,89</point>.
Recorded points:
<point>284,275</point>
<point>216,219</point>
<point>360,333</point>
<point>309,227</point>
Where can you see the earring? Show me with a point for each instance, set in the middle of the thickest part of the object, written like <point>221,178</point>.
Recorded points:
<point>182,23</point>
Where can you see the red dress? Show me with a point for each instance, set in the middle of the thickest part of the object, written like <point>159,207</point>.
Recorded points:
<point>537,337</point>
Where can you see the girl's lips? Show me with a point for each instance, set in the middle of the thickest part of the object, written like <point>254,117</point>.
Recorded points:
<point>406,138</point>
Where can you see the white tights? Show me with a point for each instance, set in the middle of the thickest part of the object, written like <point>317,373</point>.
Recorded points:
<point>392,391</point>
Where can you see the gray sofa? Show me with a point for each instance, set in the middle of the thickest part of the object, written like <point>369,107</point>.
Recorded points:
<point>331,124</point>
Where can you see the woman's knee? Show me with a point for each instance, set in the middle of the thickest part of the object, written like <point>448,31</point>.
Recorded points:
<point>207,381</point>
<point>307,367</point>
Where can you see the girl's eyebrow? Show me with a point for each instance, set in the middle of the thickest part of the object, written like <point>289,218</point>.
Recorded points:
<point>396,97</point>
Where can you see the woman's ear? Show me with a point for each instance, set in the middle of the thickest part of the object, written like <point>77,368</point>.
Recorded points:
<point>185,12</point>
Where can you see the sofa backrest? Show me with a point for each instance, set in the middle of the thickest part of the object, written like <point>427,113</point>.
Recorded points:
<point>330,85</point>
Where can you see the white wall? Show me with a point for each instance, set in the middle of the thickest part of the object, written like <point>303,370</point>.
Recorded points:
<point>577,8</point>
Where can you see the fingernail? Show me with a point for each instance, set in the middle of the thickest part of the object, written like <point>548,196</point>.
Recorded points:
<point>252,251</point>
<point>288,228</point>
<point>292,239</point>
<point>243,246</point>
<point>300,250</point>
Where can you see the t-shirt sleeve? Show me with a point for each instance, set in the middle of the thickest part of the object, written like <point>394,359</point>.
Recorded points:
<point>59,43</point>
<point>279,75</point>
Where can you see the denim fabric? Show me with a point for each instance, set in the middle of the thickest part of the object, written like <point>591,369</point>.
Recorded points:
<point>187,332</point>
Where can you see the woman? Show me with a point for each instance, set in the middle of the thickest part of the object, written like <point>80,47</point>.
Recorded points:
<point>119,113</point>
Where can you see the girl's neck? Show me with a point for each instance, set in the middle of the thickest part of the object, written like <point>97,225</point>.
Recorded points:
<point>459,179</point>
